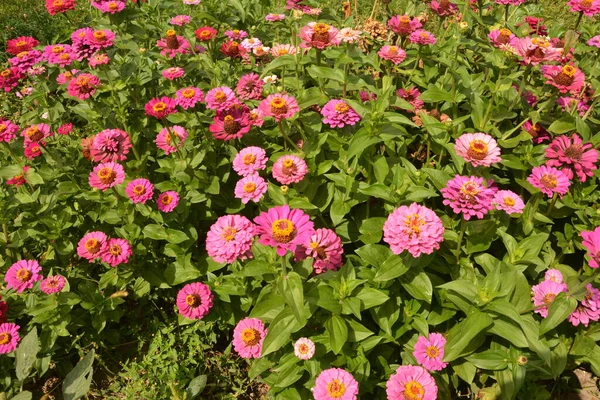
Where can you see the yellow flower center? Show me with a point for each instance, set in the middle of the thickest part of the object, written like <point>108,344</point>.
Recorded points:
<point>107,175</point>
<point>139,190</point>
<point>188,93</point>
<point>58,49</point>
<point>342,108</point>
<point>192,300</point>
<point>432,352</point>
<point>549,181</point>
<point>278,106</point>
<point>569,71</point>
<point>166,200</point>
<point>303,348</point>
<point>250,187</point>
<point>414,222</point>
<point>22,54</point>
<point>228,234</point>
<point>99,35</point>
<point>92,245</point>
<point>159,107</point>
<point>477,149</point>
<point>505,32</point>
<point>336,389</point>
<point>549,298</point>
<point>220,96</point>
<point>424,35</point>
<point>509,201</point>
<point>4,338</point>
<point>405,19</point>
<point>23,275</point>
<point>6,73</point>
<point>64,56</point>
<point>540,42</point>
<point>393,50</point>
<point>115,250</point>
<point>249,159</point>
<point>82,80</point>
<point>288,163</point>
<point>586,3</point>
<point>414,391</point>
<point>3,128</point>
<point>171,32</point>
<point>283,230</point>
<point>469,190</point>
<point>250,336</point>
<point>58,3</point>
<point>21,43</point>
<point>282,51</point>
<point>113,6</point>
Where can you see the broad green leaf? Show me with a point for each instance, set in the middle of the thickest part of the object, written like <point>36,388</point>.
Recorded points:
<point>490,359</point>
<point>462,333</point>
<point>196,387</point>
<point>337,331</point>
<point>77,382</point>
<point>558,311</point>
<point>417,284</point>
<point>26,354</point>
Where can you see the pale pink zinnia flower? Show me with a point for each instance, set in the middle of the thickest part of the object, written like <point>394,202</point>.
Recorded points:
<point>250,160</point>
<point>589,309</point>
<point>283,228</point>
<point>414,228</point>
<point>595,41</point>
<point>230,238</point>
<point>591,241</point>
<point>325,247</point>
<point>140,190</point>
<point>349,35</point>
<point>169,139</point>
<point>98,59</point>
<point>468,195</point>
<point>508,201</point>
<point>173,73</point>
<point>180,20</point>
<point>248,337</point>
<point>553,275</point>
<point>106,175</point>
<point>251,43</point>
<point>573,156</point>
<point>411,382</point>
<point>160,107</point>
<point>549,180</point>
<point>275,17</point>
<point>251,187</point>
<point>543,295</point>
<point>53,284</point>
<point>167,201</point>
<point>9,337</point>
<point>110,145</point>
<point>392,53</point>
<point>92,245</point>
<point>279,106</point>
<point>535,50</point>
<point>335,383</point>
<point>337,114</point>
<point>283,49</point>
<point>304,348</point>
<point>221,98</point>
<point>289,169</point>
<point>429,351</point>
<point>188,97</point>
<point>566,78</point>
<point>117,251</point>
<point>250,87</point>
<point>422,37</point>
<point>478,149</point>
<point>66,77</point>
<point>236,34</point>
<point>22,275</point>
<point>403,24</point>
<point>318,35</point>
<point>194,300</point>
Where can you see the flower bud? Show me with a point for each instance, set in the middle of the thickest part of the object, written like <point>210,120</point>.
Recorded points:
<point>285,189</point>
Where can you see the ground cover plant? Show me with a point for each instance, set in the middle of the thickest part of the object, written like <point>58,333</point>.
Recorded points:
<point>208,199</point>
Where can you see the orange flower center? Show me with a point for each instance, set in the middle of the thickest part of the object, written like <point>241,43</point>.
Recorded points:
<point>393,50</point>
<point>192,300</point>
<point>166,200</point>
<point>278,106</point>
<point>549,298</point>
<point>342,108</point>
<point>3,128</point>
<point>205,34</point>
<point>115,250</point>
<point>569,70</point>
<point>509,201</point>
<point>505,32</point>
<point>586,3</point>
<point>540,42</point>
<point>100,35</point>
<point>250,336</point>
<point>159,107</point>
<point>248,158</point>
<point>549,181</point>
<point>236,32</point>
<point>414,222</point>
<point>336,389</point>
<point>5,338</point>
<point>303,348</point>
<point>477,149</point>
<point>220,96</point>
<point>282,51</point>
<point>250,187</point>
<point>283,230</point>
<point>58,49</point>
<point>414,391</point>
<point>58,3</point>
<point>139,190</point>
<point>107,175</point>
<point>432,352</point>
<point>82,80</point>
<point>228,234</point>
<point>6,73</point>
<point>113,6</point>
<point>405,19</point>
<point>22,54</point>
<point>64,56</point>
<point>424,35</point>
<point>24,275</point>
<point>21,43</point>
<point>92,245</point>
<point>321,28</point>
<point>469,190</point>
<point>171,32</point>
<point>188,93</point>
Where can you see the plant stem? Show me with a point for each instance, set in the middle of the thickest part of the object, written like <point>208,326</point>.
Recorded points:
<point>578,21</point>
<point>506,14</point>
<point>551,206</point>
<point>463,227</point>
<point>285,136</point>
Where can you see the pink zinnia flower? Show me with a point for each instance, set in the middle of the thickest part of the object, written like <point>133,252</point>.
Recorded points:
<point>53,284</point>
<point>549,180</point>
<point>595,41</point>
<point>60,54</point>
<point>160,107</point>
<point>25,60</point>
<point>9,337</point>
<point>553,275</point>
<point>167,201</point>
<point>536,50</point>
<point>99,39</point>
<point>9,78</point>
<point>110,7</point>
<point>318,35</point>
<point>575,157</point>
<point>283,49</point>
<point>248,337</point>
<point>589,309</point>
<point>194,300</point>
<point>393,53</point>
<point>337,114</point>
<point>250,160</point>
<point>230,238</point>
<point>169,139</point>
<point>233,49</point>
<point>59,6</point>
<point>508,201</point>
<point>256,117</point>
<point>443,8</point>
<point>414,228</point>
<point>188,97</point>
<point>232,123</point>
<point>19,179</point>
<point>544,294</point>
<point>173,73</point>
<point>117,251</point>
<point>467,194</point>
<point>21,44</point>
<point>591,241</point>
<point>304,348</point>
<point>66,77</point>
<point>429,352</point>
<point>283,228</point>
<point>325,247</point>
<point>412,96</point>
<point>110,145</point>
<point>65,129</point>
<point>33,150</point>
<point>509,2</point>
<point>538,133</point>
<point>140,190</point>
<point>335,383</point>
<point>83,86</point>
<point>251,43</point>
<point>422,37</point>
<point>566,78</point>
<point>535,25</point>
<point>22,275</point>
<point>250,87</point>
<point>36,133</point>
<point>236,34</point>
<point>172,45</point>
<point>251,187</point>
<point>221,98</point>
<point>106,175</point>
<point>411,382</point>
<point>570,104</point>
<point>478,149</point>
<point>501,37</point>
<point>92,245</point>
<point>8,130</point>
<point>349,35</point>
<point>275,17</point>
<point>289,169</point>
<point>180,20</point>
<point>403,24</point>
<point>279,106</point>
<point>589,8</point>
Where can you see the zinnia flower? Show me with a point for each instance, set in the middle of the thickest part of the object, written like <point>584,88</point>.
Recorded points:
<point>59,6</point>
<point>173,73</point>
<point>169,139</point>
<point>553,275</point>
<point>467,194</point>
<point>304,348</point>
<point>230,238</point>
<point>140,190</point>
<point>538,133</point>
<point>251,43</point>
<point>188,97</point>
<point>180,20</point>
<point>536,50</point>
<point>99,39</point>
<point>501,37</point>
<point>92,245</point>
<point>205,33</point>
<point>21,44</point>
<point>232,123</point>
<point>117,251</point>
<point>250,160</point>
<point>167,201</point>
<point>110,145</point>
<point>83,86</point>
<point>25,60</point>
<point>172,45</point>
<point>443,8</point>
<point>36,133</point>
<point>9,337</point>
<point>160,107</point>
<point>19,179</point>
<point>589,309</point>
<point>422,37</point>
<point>65,129</point>
<point>250,87</point>
<point>194,300</point>
<point>8,130</point>
<point>479,149</point>
<point>248,337</point>
<point>318,35</point>
<point>591,241</point>
<point>575,157</point>
<point>337,114</point>
<point>570,104</point>
<point>412,96</point>
<point>232,49</point>
<point>53,284</point>
<point>404,25</point>
<point>566,78</point>
<point>595,41</point>
<point>414,228</point>
<point>549,180</point>
<point>508,201</point>
<point>251,187</point>
<point>349,35</point>
<point>22,275</point>
<point>33,150</point>
<point>3,311</point>
<point>335,383</point>
<point>9,78</point>
<point>236,34</point>
<point>275,17</point>
<point>59,54</point>
<point>429,351</point>
<point>279,50</point>
<point>279,106</point>
<point>589,8</point>
<point>221,98</point>
<point>325,247</point>
<point>289,169</point>
<point>411,382</point>
<point>106,175</point>
<point>544,294</point>
<point>283,228</point>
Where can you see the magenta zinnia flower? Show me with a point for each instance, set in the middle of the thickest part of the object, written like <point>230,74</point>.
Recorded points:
<point>248,337</point>
<point>230,238</point>
<point>570,104</point>
<point>8,130</point>
<point>429,352</point>
<point>251,187</point>
<point>325,247</point>
<point>21,44</point>
<point>591,241</point>
<point>289,169</point>
<point>106,175</point>
<point>250,160</point>
<point>279,106</point>
<point>59,6</point>
<point>140,190</point>
<point>549,180</point>
<point>414,228</point>
<point>337,114</point>
<point>167,201</point>
<point>221,99</point>
<point>575,157</point>
<point>160,107</point>
<point>53,284</point>
<point>538,133</point>
<point>188,97</point>
<point>304,348</point>
<point>9,337</point>
<point>173,73</point>
<point>99,39</point>
<point>335,383</point>
<point>404,25</point>
<point>35,133</point>
<point>467,194</point>
<point>508,201</point>
<point>411,382</point>
<point>117,251</point>
<point>478,149</point>
<point>566,78</point>
<point>589,8</point>
<point>595,41</point>
<point>422,37</point>
<point>275,17</point>
<point>172,45</point>
<point>83,86</point>
<point>22,275</point>
<point>589,309</point>
<point>110,145</point>
<point>231,123</point>
<point>283,228</point>
<point>250,87</point>
<point>544,294</point>
<point>236,34</point>
<point>92,245</point>
<point>169,139</point>
<point>194,300</point>
<point>443,8</point>
<point>318,35</point>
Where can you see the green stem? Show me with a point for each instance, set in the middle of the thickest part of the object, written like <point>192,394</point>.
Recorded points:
<point>578,21</point>
<point>285,136</point>
<point>491,103</point>
<point>551,206</point>
<point>463,227</point>
<point>283,266</point>
<point>506,14</point>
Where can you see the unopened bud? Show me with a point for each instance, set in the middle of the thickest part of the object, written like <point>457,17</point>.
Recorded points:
<point>285,189</point>
<point>120,293</point>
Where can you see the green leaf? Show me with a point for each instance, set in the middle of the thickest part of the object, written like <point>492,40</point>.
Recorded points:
<point>280,329</point>
<point>417,284</point>
<point>434,94</point>
<point>558,311</point>
<point>77,382</point>
<point>24,395</point>
<point>196,387</point>
<point>156,232</point>
<point>370,297</point>
<point>325,73</point>
<point>372,230</point>
<point>563,125</point>
<point>337,331</point>
<point>26,354</point>
<point>374,254</point>
<point>461,335</point>
<point>493,360</point>
<point>292,292</point>
<point>360,142</point>
<point>391,268</point>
